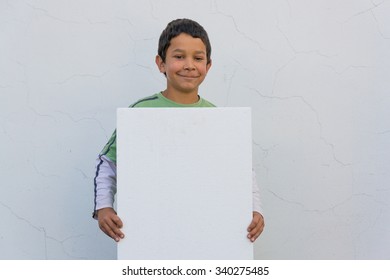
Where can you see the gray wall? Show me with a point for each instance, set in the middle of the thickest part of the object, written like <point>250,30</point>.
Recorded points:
<point>315,73</point>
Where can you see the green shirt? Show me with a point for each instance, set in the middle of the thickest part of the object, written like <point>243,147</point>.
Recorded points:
<point>154,101</point>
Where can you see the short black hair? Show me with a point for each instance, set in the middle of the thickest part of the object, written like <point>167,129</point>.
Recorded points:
<point>178,26</point>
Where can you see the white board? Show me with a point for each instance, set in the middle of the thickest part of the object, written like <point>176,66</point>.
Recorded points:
<point>184,183</point>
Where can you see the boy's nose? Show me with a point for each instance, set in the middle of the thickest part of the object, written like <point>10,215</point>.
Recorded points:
<point>189,65</point>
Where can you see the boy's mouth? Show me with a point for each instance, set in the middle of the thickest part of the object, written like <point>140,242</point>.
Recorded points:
<point>188,77</point>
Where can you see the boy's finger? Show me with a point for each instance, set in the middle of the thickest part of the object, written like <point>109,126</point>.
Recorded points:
<point>256,227</point>
<point>254,223</point>
<point>253,235</point>
<point>115,233</point>
<point>256,230</point>
<point>108,231</point>
<point>112,230</point>
<point>118,232</point>
<point>252,226</point>
<point>118,226</point>
<point>117,221</point>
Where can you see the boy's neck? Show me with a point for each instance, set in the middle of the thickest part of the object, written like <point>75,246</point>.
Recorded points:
<point>181,98</point>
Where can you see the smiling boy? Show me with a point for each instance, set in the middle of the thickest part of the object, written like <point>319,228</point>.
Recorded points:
<point>185,67</point>
<point>184,57</point>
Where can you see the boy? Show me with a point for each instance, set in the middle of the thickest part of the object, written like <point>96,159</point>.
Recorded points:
<point>184,53</point>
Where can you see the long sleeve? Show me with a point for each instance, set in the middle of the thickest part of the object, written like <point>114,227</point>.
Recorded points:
<point>257,205</point>
<point>105,184</point>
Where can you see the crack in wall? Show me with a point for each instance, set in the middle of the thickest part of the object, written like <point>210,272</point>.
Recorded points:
<point>328,209</point>
<point>300,52</point>
<point>384,132</point>
<point>317,117</point>
<point>370,11</point>
<point>365,11</point>
<point>34,227</point>
<point>78,120</point>
<point>42,230</point>
<point>46,13</point>
<point>75,76</point>
<point>238,30</point>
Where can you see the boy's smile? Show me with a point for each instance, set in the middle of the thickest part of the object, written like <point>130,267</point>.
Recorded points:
<point>185,68</point>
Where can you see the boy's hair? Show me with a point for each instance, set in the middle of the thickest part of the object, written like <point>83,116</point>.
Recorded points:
<point>178,26</point>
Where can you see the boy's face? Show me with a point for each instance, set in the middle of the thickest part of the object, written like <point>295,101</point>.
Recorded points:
<point>185,64</point>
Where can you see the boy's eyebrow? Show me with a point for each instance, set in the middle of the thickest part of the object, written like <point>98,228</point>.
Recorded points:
<point>182,51</point>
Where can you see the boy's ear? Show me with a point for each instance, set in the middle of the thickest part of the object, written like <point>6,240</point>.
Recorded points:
<point>208,65</point>
<point>160,64</point>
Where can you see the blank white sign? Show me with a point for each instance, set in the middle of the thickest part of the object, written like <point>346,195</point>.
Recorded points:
<point>184,183</point>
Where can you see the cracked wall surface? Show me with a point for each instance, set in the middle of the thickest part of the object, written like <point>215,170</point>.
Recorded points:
<point>315,73</point>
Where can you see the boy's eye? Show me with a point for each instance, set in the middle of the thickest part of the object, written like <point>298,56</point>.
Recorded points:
<point>199,58</point>
<point>179,56</point>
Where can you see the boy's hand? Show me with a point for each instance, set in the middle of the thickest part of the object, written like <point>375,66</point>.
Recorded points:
<point>110,223</point>
<point>256,227</point>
